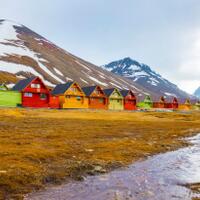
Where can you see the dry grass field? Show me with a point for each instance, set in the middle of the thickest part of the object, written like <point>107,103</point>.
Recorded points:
<point>39,147</point>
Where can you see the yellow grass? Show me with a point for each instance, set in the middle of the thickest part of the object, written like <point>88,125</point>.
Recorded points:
<point>48,146</point>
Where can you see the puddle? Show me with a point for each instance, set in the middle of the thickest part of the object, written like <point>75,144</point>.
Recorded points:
<point>158,178</point>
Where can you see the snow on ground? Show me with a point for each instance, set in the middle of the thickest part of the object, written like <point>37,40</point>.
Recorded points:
<point>170,94</point>
<point>83,65</point>
<point>83,80</point>
<point>50,73</point>
<point>14,68</point>
<point>15,47</point>
<point>135,67</point>
<point>11,85</point>
<point>152,83</point>
<point>141,73</point>
<point>102,77</point>
<point>43,60</point>
<point>97,81</point>
<point>58,71</point>
<point>7,30</point>
<point>116,85</point>
<point>153,79</point>
<point>68,79</point>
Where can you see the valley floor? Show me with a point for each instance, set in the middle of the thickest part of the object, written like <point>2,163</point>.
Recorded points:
<point>39,147</point>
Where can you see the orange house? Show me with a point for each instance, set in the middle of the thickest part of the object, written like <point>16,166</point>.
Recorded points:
<point>70,95</point>
<point>185,105</point>
<point>96,97</point>
<point>160,103</point>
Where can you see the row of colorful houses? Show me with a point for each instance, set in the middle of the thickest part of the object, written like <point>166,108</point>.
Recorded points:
<point>32,92</point>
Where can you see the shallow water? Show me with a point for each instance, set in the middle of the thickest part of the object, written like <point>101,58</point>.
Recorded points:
<point>158,178</point>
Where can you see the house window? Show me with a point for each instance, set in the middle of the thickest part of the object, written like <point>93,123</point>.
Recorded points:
<point>67,97</point>
<point>43,96</point>
<point>78,98</point>
<point>28,94</point>
<point>97,92</point>
<point>101,100</point>
<point>37,86</point>
<point>74,89</point>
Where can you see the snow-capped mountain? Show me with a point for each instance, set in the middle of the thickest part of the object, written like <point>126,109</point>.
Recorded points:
<point>143,75</point>
<point>197,92</point>
<point>24,53</point>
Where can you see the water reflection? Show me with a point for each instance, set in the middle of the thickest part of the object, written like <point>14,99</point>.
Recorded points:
<point>158,178</point>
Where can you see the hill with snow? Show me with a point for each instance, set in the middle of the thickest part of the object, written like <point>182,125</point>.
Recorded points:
<point>24,53</point>
<point>144,76</point>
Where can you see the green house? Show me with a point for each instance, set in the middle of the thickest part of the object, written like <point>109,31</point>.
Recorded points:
<point>9,98</point>
<point>197,106</point>
<point>147,103</point>
<point>115,99</point>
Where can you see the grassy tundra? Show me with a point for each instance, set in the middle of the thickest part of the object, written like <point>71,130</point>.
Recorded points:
<point>38,147</point>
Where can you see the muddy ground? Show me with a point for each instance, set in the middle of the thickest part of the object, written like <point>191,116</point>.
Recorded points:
<point>41,147</point>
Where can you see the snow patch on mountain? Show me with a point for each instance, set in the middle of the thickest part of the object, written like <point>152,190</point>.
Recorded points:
<point>143,75</point>
<point>58,71</point>
<point>97,81</point>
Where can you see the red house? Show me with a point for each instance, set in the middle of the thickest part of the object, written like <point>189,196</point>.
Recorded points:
<point>54,101</point>
<point>129,100</point>
<point>96,97</point>
<point>34,93</point>
<point>172,103</point>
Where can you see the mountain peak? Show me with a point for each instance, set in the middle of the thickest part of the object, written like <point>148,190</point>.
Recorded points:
<point>143,75</point>
<point>24,53</point>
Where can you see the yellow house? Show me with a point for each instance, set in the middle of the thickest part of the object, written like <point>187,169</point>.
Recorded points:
<point>185,105</point>
<point>70,95</point>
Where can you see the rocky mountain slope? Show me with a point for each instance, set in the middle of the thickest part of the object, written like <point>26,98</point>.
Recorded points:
<point>24,53</point>
<point>143,75</point>
<point>197,92</point>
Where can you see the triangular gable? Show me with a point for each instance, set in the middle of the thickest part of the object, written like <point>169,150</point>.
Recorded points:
<point>175,100</point>
<point>116,94</point>
<point>23,84</point>
<point>162,99</point>
<point>197,103</point>
<point>126,93</point>
<point>147,99</point>
<point>61,88</point>
<point>89,90</point>
<point>96,89</point>
<point>187,102</point>
<point>41,82</point>
<point>70,90</point>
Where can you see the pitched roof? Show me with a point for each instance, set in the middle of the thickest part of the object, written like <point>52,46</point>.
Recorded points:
<point>61,88</point>
<point>124,92</point>
<point>88,90</point>
<point>147,99</point>
<point>184,101</point>
<point>108,92</point>
<point>170,99</point>
<point>22,84</point>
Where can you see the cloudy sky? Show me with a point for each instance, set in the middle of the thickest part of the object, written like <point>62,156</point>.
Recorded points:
<point>162,34</point>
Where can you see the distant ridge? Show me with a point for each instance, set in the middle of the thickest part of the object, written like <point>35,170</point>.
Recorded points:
<point>24,53</point>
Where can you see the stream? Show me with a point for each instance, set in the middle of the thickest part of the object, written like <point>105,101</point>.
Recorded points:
<point>158,178</point>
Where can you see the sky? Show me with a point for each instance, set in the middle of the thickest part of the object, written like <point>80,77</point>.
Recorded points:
<point>163,34</point>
